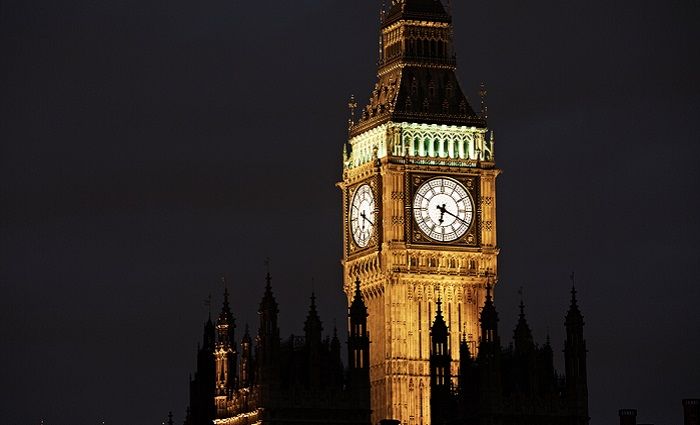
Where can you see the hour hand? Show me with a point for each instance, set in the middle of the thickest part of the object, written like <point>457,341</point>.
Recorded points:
<point>442,210</point>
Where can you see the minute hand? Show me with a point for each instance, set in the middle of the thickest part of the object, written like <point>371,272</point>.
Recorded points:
<point>443,209</point>
<point>363,215</point>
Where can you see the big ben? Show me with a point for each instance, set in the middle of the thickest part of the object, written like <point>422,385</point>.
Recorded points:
<point>419,208</point>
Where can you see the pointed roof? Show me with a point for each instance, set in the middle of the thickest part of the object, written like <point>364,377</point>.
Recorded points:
<point>489,315</point>
<point>268,302</point>
<point>574,316</point>
<point>246,335</point>
<point>225,317</point>
<point>464,352</point>
<point>419,10</point>
<point>417,81</point>
<point>439,327</point>
<point>313,321</point>
<point>522,334</point>
<point>358,309</point>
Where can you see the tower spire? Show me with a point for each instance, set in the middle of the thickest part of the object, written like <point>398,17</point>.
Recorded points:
<point>440,360</point>
<point>225,352</point>
<point>575,357</point>
<point>417,63</point>
<point>358,341</point>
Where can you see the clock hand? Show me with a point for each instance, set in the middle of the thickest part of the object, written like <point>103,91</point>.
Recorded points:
<point>363,215</point>
<point>443,210</point>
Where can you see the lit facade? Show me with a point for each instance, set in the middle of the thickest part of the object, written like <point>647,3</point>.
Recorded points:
<point>420,147</point>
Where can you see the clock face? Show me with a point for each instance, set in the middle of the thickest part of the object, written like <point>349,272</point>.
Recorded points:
<point>443,209</point>
<point>362,215</point>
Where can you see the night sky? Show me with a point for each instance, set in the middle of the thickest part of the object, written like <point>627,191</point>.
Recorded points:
<point>150,147</point>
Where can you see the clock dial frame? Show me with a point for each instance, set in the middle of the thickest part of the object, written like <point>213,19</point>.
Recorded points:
<point>363,215</point>
<point>443,210</point>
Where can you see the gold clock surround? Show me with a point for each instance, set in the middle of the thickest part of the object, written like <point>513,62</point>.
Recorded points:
<point>352,247</point>
<point>471,183</point>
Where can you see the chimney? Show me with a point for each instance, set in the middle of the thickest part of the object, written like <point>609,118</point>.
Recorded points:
<point>691,411</point>
<point>628,416</point>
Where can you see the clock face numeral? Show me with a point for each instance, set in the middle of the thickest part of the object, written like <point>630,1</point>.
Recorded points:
<point>443,209</point>
<point>362,215</point>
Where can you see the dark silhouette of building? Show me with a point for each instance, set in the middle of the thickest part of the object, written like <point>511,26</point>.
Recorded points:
<point>513,385</point>
<point>299,380</point>
<point>202,409</point>
<point>419,226</point>
<point>691,413</point>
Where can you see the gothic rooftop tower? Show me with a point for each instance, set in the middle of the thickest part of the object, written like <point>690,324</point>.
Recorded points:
<point>417,63</point>
<point>419,201</point>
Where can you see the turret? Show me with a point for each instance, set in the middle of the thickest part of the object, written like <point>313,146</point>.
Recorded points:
<point>202,409</point>
<point>268,340</point>
<point>225,356</point>
<point>575,362</point>
<point>525,356</point>
<point>225,350</point>
<point>440,360</point>
<point>358,341</point>
<point>246,372</point>
<point>313,331</point>
<point>546,377</point>
<point>489,357</point>
<point>489,325</point>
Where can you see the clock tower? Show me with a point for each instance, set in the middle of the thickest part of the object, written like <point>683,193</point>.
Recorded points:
<point>419,208</point>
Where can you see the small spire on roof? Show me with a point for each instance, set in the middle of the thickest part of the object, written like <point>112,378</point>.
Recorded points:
<point>482,94</point>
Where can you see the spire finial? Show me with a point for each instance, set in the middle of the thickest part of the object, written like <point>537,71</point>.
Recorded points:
<point>522,303</point>
<point>573,287</point>
<point>482,94</point>
<point>439,306</point>
<point>268,279</point>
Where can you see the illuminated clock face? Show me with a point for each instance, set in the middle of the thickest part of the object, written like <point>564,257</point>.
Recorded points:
<point>362,216</point>
<point>443,209</point>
